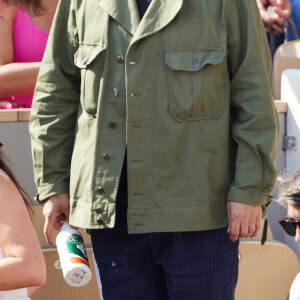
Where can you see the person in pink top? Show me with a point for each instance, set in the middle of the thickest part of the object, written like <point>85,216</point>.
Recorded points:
<point>21,52</point>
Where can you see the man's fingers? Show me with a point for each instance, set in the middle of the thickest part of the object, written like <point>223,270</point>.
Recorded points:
<point>257,227</point>
<point>258,222</point>
<point>251,229</point>
<point>233,231</point>
<point>51,224</point>
<point>243,220</point>
<point>233,226</point>
<point>233,234</point>
<point>244,228</point>
<point>56,210</point>
<point>48,231</point>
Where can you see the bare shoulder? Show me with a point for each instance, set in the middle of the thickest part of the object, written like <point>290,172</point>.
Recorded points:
<point>14,217</point>
<point>7,12</point>
<point>44,20</point>
<point>8,191</point>
<point>11,200</point>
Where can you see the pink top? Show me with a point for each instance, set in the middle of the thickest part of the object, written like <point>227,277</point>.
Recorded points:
<point>29,45</point>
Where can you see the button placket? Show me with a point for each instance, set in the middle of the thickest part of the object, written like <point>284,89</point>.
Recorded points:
<point>106,157</point>
<point>116,92</point>
<point>84,61</point>
<point>101,190</point>
<point>112,125</point>
<point>120,59</point>
<point>100,221</point>
<point>99,210</point>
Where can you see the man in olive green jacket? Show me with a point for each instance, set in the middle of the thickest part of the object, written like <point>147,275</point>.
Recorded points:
<point>183,93</point>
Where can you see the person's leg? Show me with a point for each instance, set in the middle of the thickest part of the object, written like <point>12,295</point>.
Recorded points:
<point>200,265</point>
<point>125,267</point>
<point>124,263</point>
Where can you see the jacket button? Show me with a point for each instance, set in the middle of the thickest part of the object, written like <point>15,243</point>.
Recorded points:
<point>106,157</point>
<point>84,61</point>
<point>112,125</point>
<point>98,210</point>
<point>116,92</point>
<point>120,59</point>
<point>196,66</point>
<point>99,221</point>
<point>101,190</point>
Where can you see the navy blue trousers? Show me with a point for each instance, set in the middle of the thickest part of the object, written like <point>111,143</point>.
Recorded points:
<point>200,265</point>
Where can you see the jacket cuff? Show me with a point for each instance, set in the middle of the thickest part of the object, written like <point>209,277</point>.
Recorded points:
<point>44,192</point>
<point>238,195</point>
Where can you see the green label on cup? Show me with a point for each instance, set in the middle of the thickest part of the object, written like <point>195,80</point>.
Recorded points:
<point>75,245</point>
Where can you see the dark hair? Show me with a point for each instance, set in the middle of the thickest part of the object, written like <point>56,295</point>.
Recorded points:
<point>289,190</point>
<point>36,5</point>
<point>4,167</point>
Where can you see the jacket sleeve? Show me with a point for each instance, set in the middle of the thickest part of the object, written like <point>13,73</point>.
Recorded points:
<point>255,124</point>
<point>55,106</point>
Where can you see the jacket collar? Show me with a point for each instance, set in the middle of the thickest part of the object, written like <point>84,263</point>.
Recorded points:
<point>124,12</point>
<point>158,15</point>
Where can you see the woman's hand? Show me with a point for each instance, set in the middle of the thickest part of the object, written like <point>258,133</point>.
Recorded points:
<point>273,12</point>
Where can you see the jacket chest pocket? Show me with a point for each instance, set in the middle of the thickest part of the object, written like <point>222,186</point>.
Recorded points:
<point>90,60</point>
<point>196,84</point>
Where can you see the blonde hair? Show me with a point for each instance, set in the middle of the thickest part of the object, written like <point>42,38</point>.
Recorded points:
<point>289,190</point>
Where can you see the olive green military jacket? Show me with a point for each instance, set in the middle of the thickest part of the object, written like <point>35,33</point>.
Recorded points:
<point>187,90</point>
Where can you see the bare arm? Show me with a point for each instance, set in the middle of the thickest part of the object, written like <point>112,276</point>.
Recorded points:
<point>15,78</point>
<point>255,126</point>
<point>24,264</point>
<point>18,78</point>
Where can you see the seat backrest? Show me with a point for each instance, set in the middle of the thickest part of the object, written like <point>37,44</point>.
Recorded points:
<point>265,272</point>
<point>57,289</point>
<point>287,56</point>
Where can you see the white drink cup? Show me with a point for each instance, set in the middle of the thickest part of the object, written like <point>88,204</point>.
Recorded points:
<point>73,257</point>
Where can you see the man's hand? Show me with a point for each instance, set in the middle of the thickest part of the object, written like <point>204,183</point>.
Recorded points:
<point>244,220</point>
<point>56,210</point>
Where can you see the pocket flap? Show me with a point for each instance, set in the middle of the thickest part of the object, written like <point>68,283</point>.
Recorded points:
<point>86,54</point>
<point>193,60</point>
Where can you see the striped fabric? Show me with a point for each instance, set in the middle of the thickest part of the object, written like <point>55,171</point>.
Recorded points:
<point>160,266</point>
